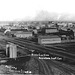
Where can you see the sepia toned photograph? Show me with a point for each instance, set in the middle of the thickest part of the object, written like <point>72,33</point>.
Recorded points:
<point>37,37</point>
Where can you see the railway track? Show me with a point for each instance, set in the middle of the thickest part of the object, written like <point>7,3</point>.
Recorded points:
<point>24,44</point>
<point>61,67</point>
<point>46,65</point>
<point>56,46</point>
<point>51,50</point>
<point>69,49</point>
<point>64,44</point>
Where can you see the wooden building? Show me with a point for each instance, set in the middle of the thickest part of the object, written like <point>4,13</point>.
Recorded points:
<point>23,34</point>
<point>49,39</point>
<point>51,30</point>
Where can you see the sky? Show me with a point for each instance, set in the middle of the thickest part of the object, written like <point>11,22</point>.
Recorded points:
<point>11,10</point>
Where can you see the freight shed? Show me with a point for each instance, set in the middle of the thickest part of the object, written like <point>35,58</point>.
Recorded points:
<point>23,34</point>
<point>51,30</point>
<point>49,39</point>
<point>48,31</point>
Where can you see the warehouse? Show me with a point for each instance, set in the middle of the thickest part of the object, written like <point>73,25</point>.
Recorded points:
<point>48,31</point>
<point>49,39</point>
<point>23,34</point>
<point>51,30</point>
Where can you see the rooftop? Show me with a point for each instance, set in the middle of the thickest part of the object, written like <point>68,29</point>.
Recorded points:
<point>48,36</point>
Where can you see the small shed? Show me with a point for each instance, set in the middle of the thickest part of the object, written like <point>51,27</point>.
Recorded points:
<point>49,39</point>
